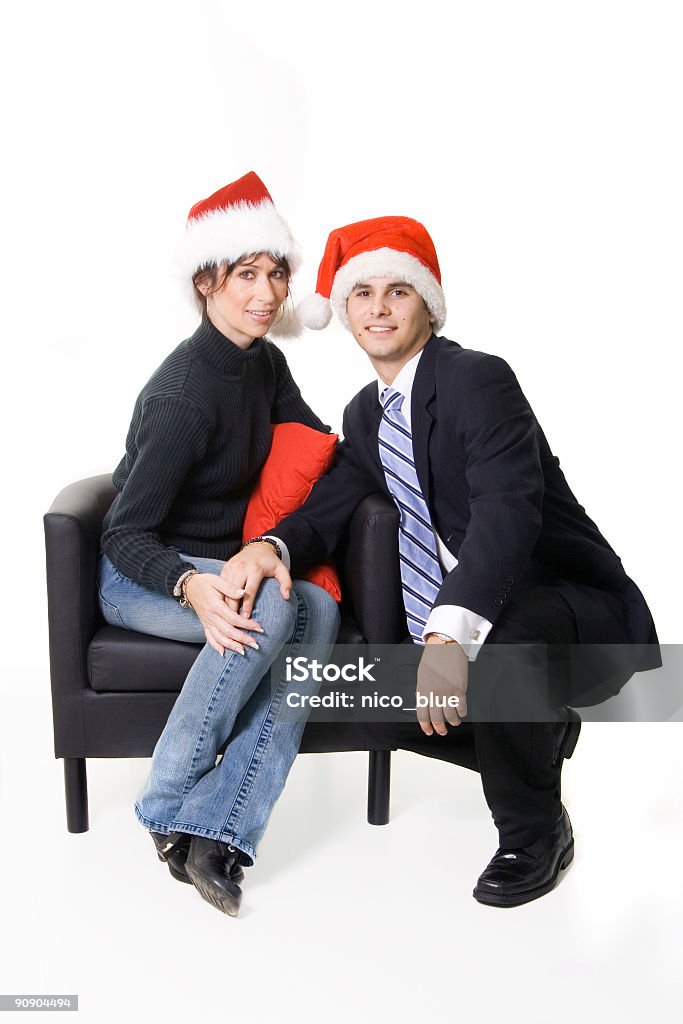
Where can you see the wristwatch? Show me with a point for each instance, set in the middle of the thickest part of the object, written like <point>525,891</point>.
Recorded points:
<point>442,637</point>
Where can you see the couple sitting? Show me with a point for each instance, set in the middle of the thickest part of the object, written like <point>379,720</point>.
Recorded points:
<point>493,546</point>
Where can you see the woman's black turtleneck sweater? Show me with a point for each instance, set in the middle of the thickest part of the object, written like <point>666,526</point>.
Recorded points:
<point>200,433</point>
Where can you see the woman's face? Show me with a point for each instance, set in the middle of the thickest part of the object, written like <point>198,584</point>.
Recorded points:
<point>246,305</point>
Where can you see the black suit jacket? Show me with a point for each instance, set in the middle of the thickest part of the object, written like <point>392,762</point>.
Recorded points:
<point>496,495</point>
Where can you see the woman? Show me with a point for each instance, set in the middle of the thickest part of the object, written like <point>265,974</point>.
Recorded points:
<point>200,433</point>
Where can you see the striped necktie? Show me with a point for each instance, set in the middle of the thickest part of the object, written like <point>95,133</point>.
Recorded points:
<point>421,574</point>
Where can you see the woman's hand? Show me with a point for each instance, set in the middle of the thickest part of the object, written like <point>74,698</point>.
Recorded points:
<point>209,594</point>
<point>246,570</point>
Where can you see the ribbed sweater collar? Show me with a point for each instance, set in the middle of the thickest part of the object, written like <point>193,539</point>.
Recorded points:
<point>221,353</point>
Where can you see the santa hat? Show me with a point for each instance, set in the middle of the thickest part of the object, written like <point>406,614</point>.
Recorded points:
<point>238,220</point>
<point>397,247</point>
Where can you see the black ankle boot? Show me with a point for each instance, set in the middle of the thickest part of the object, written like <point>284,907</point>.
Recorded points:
<point>173,850</point>
<point>209,865</point>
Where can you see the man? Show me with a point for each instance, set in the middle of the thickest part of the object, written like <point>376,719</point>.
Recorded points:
<point>493,546</point>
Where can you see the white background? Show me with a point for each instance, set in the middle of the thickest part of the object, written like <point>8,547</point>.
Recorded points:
<point>540,143</point>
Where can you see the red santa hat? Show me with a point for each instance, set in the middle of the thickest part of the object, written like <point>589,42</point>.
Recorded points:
<point>237,220</point>
<point>381,247</point>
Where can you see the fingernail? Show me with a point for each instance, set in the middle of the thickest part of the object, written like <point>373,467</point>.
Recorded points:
<point>255,645</point>
<point>259,629</point>
<point>240,591</point>
<point>240,650</point>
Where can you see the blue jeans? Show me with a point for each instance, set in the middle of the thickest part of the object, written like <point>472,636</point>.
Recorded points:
<point>230,698</point>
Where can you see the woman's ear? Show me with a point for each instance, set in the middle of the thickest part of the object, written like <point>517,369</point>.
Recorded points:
<point>202,283</point>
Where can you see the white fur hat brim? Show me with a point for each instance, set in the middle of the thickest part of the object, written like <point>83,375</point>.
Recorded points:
<point>226,234</point>
<point>387,262</point>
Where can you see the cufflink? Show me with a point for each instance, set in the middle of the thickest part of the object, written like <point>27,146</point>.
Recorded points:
<point>475,634</point>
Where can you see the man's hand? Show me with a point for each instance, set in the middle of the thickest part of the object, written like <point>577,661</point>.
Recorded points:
<point>209,596</point>
<point>441,686</point>
<point>248,568</point>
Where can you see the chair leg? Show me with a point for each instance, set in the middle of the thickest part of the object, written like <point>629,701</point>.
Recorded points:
<point>76,792</point>
<point>379,783</point>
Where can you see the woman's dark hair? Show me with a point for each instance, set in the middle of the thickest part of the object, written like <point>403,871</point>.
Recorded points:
<point>216,274</point>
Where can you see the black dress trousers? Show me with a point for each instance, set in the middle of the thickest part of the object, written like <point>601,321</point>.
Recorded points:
<point>517,760</point>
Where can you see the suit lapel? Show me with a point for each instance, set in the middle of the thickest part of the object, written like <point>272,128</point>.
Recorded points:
<point>370,415</point>
<point>422,412</point>
<point>376,419</point>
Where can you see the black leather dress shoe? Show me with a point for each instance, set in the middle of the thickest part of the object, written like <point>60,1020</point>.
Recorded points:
<point>173,849</point>
<point>516,876</point>
<point>209,864</point>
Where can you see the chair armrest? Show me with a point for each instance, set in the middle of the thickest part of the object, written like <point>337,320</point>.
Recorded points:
<point>72,536</point>
<point>371,571</point>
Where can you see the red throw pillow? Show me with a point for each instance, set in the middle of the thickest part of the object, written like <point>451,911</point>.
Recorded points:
<point>298,457</point>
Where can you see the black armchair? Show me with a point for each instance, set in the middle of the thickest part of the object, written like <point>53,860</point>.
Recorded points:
<point>112,689</point>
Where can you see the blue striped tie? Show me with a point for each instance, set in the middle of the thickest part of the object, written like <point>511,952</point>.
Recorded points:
<point>421,574</point>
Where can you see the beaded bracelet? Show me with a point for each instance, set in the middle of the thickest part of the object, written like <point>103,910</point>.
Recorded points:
<point>180,589</point>
<point>266,540</point>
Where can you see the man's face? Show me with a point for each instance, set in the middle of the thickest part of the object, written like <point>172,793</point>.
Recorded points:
<point>388,319</point>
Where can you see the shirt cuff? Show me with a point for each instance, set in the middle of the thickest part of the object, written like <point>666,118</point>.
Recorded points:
<point>283,548</point>
<point>461,624</point>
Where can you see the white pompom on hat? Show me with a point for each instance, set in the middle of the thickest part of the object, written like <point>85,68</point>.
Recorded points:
<point>238,220</point>
<point>380,247</point>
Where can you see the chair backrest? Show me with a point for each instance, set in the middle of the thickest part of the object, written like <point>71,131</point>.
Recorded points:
<point>72,537</point>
